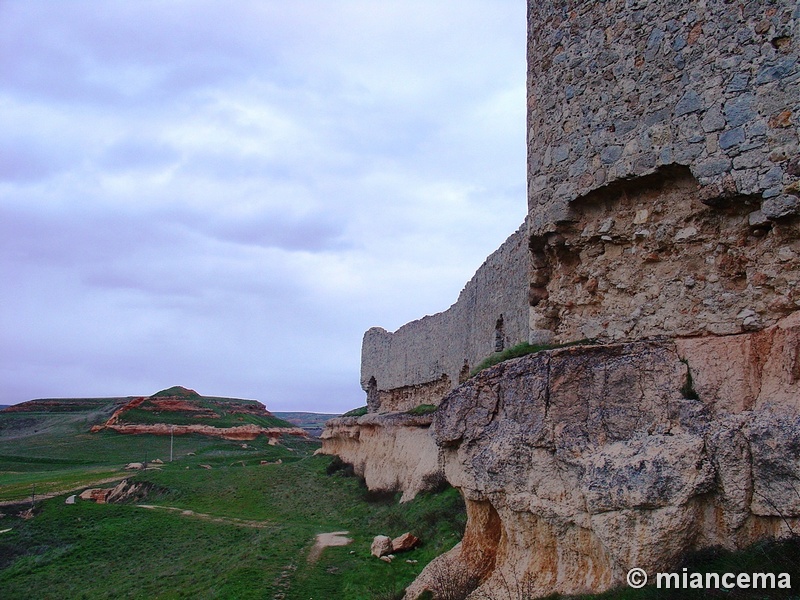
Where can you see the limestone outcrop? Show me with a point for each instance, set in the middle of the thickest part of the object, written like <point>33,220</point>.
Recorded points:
<point>392,452</point>
<point>580,463</point>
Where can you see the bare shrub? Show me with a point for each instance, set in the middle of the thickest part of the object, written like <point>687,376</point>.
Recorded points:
<point>508,586</point>
<point>448,581</point>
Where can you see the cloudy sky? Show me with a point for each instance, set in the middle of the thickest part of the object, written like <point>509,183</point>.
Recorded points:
<point>225,196</point>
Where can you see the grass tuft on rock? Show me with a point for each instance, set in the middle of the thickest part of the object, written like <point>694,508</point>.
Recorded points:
<point>519,350</point>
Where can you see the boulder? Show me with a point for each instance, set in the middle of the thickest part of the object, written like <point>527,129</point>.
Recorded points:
<point>381,546</point>
<point>134,466</point>
<point>70,500</point>
<point>407,541</point>
<point>98,495</point>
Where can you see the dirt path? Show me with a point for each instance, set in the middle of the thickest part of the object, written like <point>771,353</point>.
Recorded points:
<point>73,488</point>
<point>212,518</point>
<point>324,540</point>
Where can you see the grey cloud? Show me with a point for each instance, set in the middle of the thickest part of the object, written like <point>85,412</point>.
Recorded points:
<point>25,161</point>
<point>233,184</point>
<point>138,154</point>
<point>311,233</point>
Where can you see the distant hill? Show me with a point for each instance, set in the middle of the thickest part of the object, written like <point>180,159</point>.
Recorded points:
<point>311,422</point>
<point>174,410</point>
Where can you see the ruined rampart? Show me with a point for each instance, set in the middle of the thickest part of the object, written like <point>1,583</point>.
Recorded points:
<point>663,166</point>
<point>423,360</point>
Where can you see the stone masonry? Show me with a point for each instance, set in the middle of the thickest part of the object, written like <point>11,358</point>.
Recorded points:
<point>663,166</point>
<point>423,360</point>
<point>663,191</point>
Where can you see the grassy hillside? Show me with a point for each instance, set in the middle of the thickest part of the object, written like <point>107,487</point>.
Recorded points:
<point>259,523</point>
<point>240,529</point>
<point>46,447</point>
<point>180,406</point>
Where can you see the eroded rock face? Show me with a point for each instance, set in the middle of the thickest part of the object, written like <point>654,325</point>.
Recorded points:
<point>591,460</point>
<point>392,452</point>
<point>239,433</point>
<point>650,258</point>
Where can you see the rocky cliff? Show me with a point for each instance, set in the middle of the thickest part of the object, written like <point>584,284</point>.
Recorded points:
<point>581,463</point>
<point>664,226</point>
<point>392,452</point>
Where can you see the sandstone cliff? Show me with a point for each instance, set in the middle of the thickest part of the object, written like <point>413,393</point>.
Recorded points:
<point>392,452</point>
<point>580,463</point>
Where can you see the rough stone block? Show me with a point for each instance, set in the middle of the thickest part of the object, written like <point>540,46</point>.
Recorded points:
<point>780,206</point>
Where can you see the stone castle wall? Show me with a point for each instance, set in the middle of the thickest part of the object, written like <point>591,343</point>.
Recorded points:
<point>662,191</point>
<point>423,360</point>
<point>663,166</point>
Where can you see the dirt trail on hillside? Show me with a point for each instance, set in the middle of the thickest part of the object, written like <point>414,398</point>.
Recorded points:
<point>212,518</point>
<point>325,540</point>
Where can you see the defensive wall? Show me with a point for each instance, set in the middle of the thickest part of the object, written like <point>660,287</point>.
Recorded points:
<point>423,360</point>
<point>662,191</point>
<point>663,166</point>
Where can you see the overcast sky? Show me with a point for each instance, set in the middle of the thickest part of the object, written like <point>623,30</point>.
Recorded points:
<point>226,195</point>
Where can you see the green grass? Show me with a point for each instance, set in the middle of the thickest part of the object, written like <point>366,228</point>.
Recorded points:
<point>226,419</point>
<point>519,350</point>
<point>422,409</point>
<point>124,551</point>
<point>164,554</point>
<point>356,412</point>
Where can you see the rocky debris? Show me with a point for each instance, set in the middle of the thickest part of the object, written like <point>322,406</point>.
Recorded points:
<point>208,467</point>
<point>98,495</point>
<point>124,491</point>
<point>387,559</point>
<point>157,461</point>
<point>272,462</point>
<point>134,466</point>
<point>381,546</point>
<point>405,542</point>
<point>127,490</point>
